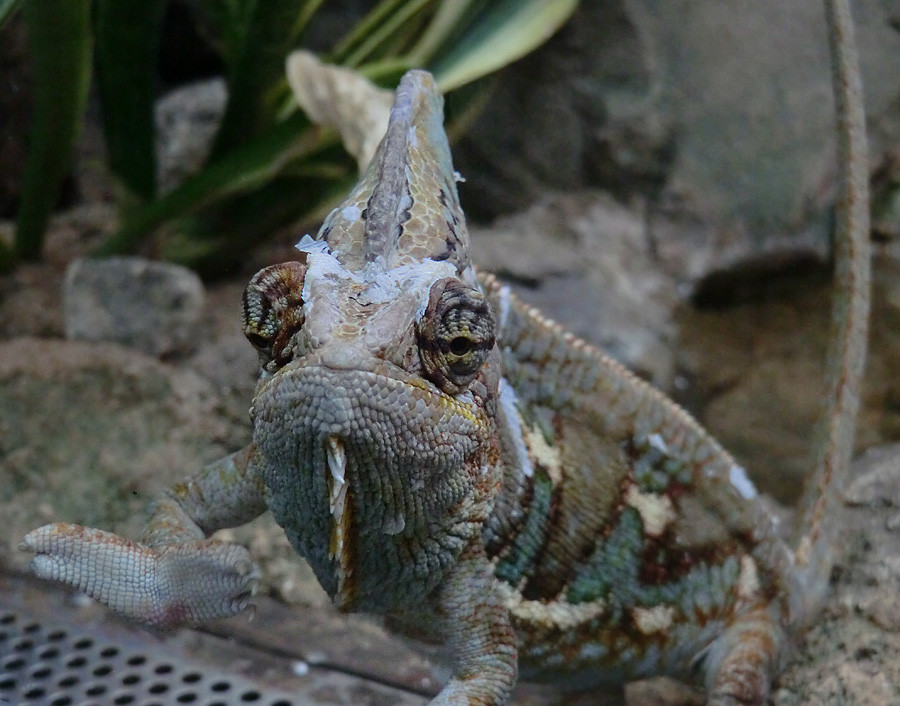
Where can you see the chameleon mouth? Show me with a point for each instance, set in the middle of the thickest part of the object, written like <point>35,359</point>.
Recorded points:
<point>341,514</point>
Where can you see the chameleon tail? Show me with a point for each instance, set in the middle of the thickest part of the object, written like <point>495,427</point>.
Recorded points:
<point>850,314</point>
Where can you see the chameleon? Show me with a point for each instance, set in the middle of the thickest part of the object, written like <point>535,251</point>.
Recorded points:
<point>448,458</point>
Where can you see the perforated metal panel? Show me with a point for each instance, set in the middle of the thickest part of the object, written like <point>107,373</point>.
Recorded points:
<point>46,665</point>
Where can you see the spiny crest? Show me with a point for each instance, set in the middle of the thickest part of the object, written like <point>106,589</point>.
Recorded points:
<point>405,208</point>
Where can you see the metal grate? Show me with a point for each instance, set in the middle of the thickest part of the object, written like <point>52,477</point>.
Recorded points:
<point>47,665</point>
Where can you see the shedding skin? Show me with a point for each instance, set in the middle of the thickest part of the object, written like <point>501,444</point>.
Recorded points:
<point>448,458</point>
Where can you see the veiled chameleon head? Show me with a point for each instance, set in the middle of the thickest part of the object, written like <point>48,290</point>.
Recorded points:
<point>379,372</point>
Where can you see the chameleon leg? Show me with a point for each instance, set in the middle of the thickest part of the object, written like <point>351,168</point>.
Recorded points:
<point>742,661</point>
<point>175,575</point>
<point>475,623</point>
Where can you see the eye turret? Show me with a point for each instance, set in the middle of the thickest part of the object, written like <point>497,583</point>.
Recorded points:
<point>273,312</point>
<point>455,335</point>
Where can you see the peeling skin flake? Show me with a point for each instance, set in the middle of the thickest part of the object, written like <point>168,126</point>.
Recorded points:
<point>337,464</point>
<point>308,244</point>
<point>741,482</point>
<point>508,402</point>
<point>505,304</point>
<point>383,285</point>
<point>658,443</point>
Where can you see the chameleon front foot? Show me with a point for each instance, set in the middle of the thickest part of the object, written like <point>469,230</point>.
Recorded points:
<point>169,586</point>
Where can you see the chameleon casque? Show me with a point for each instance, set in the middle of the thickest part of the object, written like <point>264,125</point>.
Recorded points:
<point>446,457</point>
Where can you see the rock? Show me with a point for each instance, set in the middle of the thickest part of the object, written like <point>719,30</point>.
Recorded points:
<point>152,306</point>
<point>186,123</point>
<point>124,426</point>
<point>718,113</point>
<point>876,480</point>
<point>885,188</point>
<point>597,275</point>
<point>751,360</point>
<point>90,432</point>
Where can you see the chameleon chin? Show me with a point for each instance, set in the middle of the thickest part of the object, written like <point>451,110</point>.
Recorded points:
<point>446,457</point>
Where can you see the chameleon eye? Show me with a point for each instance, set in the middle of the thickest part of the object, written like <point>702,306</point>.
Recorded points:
<point>273,312</point>
<point>455,335</point>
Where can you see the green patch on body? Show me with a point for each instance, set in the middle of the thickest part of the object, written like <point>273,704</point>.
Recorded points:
<point>520,558</point>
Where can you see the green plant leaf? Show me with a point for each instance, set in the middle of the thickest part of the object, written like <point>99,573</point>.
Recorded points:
<point>8,9</point>
<point>364,28</point>
<point>386,30</point>
<point>268,166</point>
<point>7,258</point>
<point>241,171</point>
<point>445,22</point>
<point>503,32</point>
<point>259,65</point>
<point>59,33</point>
<point>225,23</point>
<point>215,243</point>
<point>303,18</point>
<point>126,47</point>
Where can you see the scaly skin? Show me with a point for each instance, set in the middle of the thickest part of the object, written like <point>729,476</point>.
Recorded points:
<point>447,458</point>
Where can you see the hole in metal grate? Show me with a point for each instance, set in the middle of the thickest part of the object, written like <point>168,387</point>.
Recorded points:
<point>51,666</point>
<point>11,665</point>
<point>23,645</point>
<point>41,671</point>
<point>48,653</point>
<point>76,662</point>
<point>95,689</point>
